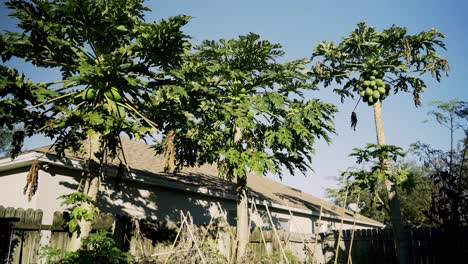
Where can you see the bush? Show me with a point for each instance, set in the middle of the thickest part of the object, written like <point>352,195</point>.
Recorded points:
<point>97,248</point>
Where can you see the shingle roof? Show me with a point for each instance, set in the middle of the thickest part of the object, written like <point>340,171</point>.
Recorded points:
<point>142,159</point>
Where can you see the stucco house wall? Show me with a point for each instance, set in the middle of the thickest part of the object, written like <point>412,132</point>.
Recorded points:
<point>144,194</point>
<point>133,198</point>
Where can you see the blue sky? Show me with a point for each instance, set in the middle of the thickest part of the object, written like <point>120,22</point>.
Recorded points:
<point>298,26</point>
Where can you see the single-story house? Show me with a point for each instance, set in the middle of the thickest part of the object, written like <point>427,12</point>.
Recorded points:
<point>145,191</point>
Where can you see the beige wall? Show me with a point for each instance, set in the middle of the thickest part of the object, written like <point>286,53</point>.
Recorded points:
<point>135,199</point>
<point>139,200</point>
<point>12,183</point>
<point>153,202</point>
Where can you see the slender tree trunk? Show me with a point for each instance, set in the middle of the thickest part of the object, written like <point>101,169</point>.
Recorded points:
<point>242,218</point>
<point>392,195</point>
<point>91,188</point>
<point>242,230</point>
<point>451,144</point>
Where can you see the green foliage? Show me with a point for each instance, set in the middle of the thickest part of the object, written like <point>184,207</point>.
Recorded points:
<point>448,170</point>
<point>5,140</point>
<point>278,257</point>
<point>264,258</point>
<point>111,62</point>
<point>396,57</point>
<point>97,248</point>
<point>50,254</point>
<point>377,156</point>
<point>82,208</point>
<point>416,201</point>
<point>247,111</point>
<point>376,169</point>
<point>414,194</point>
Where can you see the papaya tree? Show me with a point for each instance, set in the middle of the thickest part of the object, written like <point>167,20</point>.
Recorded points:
<point>250,116</point>
<point>414,191</point>
<point>108,61</point>
<point>371,64</point>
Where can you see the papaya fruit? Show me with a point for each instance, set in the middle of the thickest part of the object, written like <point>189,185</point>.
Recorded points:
<point>113,94</point>
<point>88,94</point>
<point>376,95</point>
<point>379,82</point>
<point>381,89</point>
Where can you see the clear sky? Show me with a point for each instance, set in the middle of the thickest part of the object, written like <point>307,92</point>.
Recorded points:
<point>298,25</point>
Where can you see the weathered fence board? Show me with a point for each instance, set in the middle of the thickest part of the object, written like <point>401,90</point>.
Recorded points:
<point>20,233</point>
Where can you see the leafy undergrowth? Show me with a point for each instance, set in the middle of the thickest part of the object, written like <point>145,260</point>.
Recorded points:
<point>97,248</point>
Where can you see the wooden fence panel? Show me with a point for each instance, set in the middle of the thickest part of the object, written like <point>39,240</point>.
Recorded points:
<point>59,237</point>
<point>425,246</point>
<point>20,234</point>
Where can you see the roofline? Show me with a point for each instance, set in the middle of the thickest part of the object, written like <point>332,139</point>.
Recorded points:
<point>26,159</point>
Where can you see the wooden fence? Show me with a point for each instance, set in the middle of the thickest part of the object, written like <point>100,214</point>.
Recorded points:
<point>22,232</point>
<point>424,246</point>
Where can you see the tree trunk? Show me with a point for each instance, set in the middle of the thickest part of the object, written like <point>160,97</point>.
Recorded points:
<point>242,218</point>
<point>392,195</point>
<point>92,175</point>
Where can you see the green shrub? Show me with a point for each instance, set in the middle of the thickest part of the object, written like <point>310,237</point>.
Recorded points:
<point>97,248</point>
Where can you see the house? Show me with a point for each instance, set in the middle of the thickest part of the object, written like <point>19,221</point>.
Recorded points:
<point>145,191</point>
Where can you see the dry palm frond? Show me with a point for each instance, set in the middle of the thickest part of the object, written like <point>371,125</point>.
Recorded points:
<point>31,180</point>
<point>407,47</point>
<point>353,120</point>
<point>416,98</point>
<point>170,152</point>
<point>318,68</point>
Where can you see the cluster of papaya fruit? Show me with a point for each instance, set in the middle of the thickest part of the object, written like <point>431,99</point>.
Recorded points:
<point>372,88</point>
<point>112,95</point>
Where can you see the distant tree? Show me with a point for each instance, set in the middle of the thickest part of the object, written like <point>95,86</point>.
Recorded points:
<point>415,198</point>
<point>111,61</point>
<point>371,64</point>
<point>448,170</point>
<point>251,115</point>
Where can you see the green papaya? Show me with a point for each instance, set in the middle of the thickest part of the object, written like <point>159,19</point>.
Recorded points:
<point>379,82</point>
<point>113,94</point>
<point>381,89</point>
<point>376,95</point>
<point>88,94</point>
